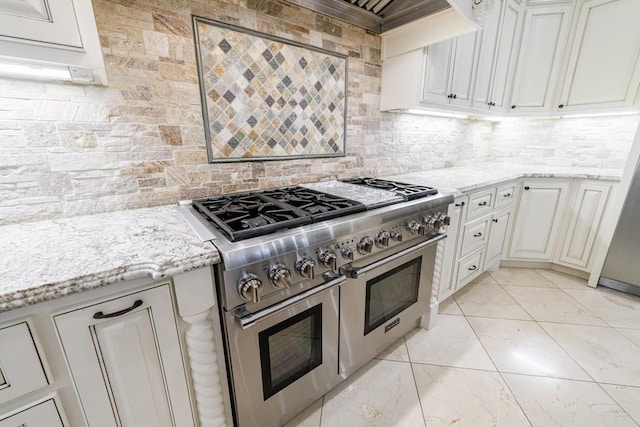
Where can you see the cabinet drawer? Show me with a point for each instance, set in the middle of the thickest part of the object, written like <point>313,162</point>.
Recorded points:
<point>44,414</point>
<point>505,195</point>
<point>481,203</point>
<point>469,267</point>
<point>475,235</point>
<point>20,366</point>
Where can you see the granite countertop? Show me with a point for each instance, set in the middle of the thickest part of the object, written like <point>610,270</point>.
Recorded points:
<point>45,260</point>
<point>468,178</point>
<point>49,259</point>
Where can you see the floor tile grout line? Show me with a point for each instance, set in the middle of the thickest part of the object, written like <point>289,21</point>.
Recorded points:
<point>586,309</point>
<point>499,373</point>
<point>616,402</point>
<point>415,381</point>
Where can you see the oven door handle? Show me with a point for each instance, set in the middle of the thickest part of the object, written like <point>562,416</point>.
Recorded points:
<point>355,272</point>
<point>246,319</point>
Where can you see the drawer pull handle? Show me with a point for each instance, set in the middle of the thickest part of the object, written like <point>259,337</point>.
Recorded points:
<point>473,268</point>
<point>507,195</point>
<point>482,204</point>
<point>526,188</point>
<point>477,235</point>
<point>460,204</point>
<point>101,315</point>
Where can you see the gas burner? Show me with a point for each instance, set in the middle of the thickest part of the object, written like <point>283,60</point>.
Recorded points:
<point>246,215</point>
<point>320,206</point>
<point>408,191</point>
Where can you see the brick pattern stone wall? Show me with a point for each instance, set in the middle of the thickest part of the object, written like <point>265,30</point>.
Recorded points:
<point>69,150</point>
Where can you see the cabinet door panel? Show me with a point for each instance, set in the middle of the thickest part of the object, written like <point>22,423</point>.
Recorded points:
<point>604,66</point>
<point>43,414</point>
<point>445,264</point>
<point>507,55</point>
<point>583,225</point>
<point>497,234</point>
<point>47,21</point>
<point>537,222</point>
<point>463,68</point>
<point>128,369</point>
<point>487,58</point>
<point>543,42</point>
<point>436,72</point>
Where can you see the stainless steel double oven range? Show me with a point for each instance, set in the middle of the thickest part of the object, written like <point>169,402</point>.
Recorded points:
<point>316,280</point>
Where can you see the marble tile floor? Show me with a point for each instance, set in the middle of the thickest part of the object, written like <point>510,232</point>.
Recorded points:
<point>516,347</point>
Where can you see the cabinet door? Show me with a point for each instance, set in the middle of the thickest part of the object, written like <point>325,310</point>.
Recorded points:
<point>585,216</point>
<point>448,256</point>
<point>437,72</point>
<point>498,52</point>
<point>125,359</point>
<point>604,64</point>
<point>44,414</point>
<point>497,234</point>
<point>544,38</point>
<point>538,218</point>
<point>44,21</point>
<point>463,68</point>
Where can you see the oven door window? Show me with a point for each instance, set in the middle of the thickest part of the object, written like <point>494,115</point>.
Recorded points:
<point>391,293</point>
<point>290,349</point>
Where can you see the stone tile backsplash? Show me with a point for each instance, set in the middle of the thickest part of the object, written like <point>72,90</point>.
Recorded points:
<point>69,150</point>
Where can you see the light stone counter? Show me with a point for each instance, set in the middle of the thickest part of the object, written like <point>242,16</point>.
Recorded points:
<point>469,178</point>
<point>44,260</point>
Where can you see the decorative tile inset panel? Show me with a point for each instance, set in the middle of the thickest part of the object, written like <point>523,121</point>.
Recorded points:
<point>266,98</point>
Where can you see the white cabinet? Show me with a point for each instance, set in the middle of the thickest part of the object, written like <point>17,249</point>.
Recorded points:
<point>497,234</point>
<point>21,369</point>
<point>497,54</point>
<point>53,32</point>
<point>449,70</point>
<point>126,362</point>
<point>43,414</point>
<point>540,210</point>
<point>544,38</point>
<point>445,275</point>
<point>603,71</point>
<point>585,214</point>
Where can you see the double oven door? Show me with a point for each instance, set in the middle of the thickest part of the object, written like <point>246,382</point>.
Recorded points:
<point>383,301</point>
<point>284,357</point>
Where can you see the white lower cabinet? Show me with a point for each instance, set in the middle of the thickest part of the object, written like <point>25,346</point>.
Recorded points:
<point>125,359</point>
<point>540,210</point>
<point>43,414</point>
<point>446,277</point>
<point>497,234</point>
<point>585,214</point>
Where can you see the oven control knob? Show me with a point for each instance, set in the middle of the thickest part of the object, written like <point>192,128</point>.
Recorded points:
<point>382,239</point>
<point>346,253</point>
<point>396,235</point>
<point>280,276</point>
<point>365,245</point>
<point>431,223</point>
<point>250,287</point>
<point>415,227</point>
<point>328,259</point>
<point>305,267</point>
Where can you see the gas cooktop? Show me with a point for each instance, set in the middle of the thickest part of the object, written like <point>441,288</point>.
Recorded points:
<point>245,215</point>
<point>407,191</point>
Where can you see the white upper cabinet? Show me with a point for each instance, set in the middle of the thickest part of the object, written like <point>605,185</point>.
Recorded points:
<point>603,70</point>
<point>449,70</point>
<point>60,33</point>
<point>544,38</point>
<point>45,21</point>
<point>498,51</point>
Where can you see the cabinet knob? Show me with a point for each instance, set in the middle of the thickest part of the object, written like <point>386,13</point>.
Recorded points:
<point>513,107</point>
<point>455,96</point>
<point>495,220</point>
<point>493,104</point>
<point>459,204</point>
<point>526,187</point>
<point>561,106</point>
<point>450,96</point>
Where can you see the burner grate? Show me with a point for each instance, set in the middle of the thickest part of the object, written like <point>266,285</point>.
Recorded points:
<point>408,191</point>
<point>321,206</point>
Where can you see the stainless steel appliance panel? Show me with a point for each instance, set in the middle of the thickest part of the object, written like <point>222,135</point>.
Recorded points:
<point>266,394</point>
<point>621,268</point>
<point>359,344</point>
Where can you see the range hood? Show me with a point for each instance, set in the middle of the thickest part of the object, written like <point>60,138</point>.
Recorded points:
<point>406,24</point>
